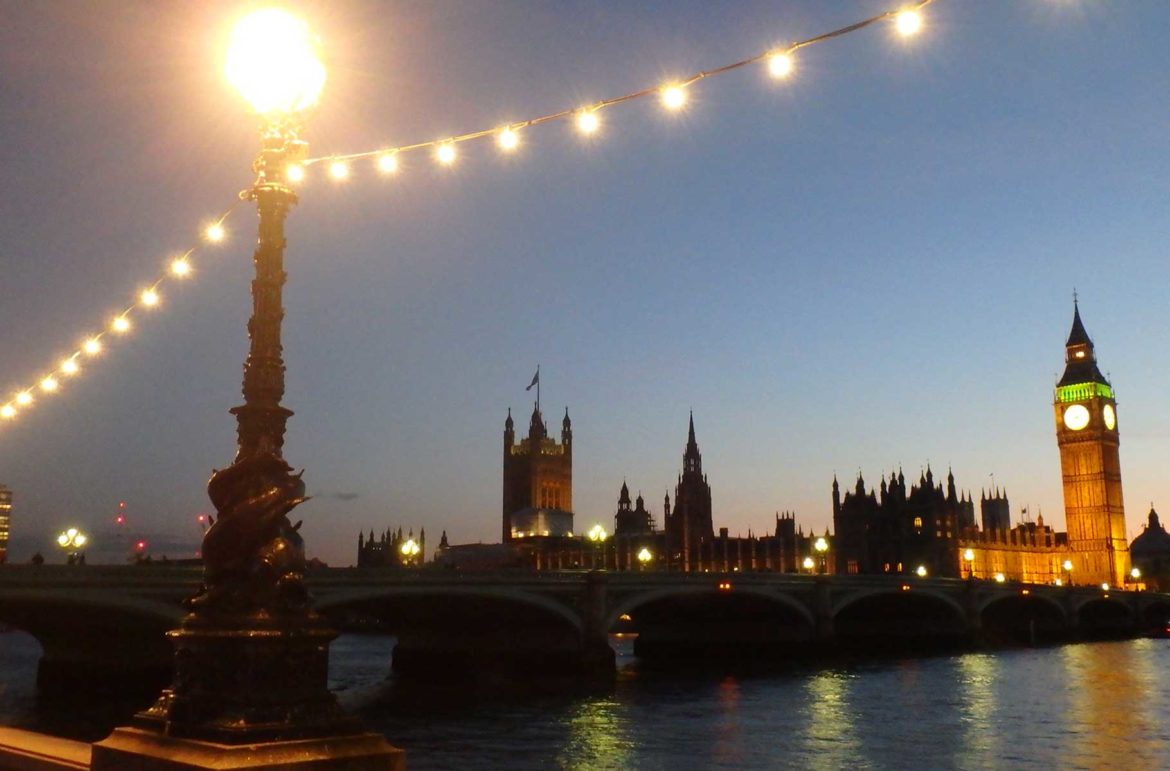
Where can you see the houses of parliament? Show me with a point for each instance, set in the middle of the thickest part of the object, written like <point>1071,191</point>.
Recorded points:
<point>924,527</point>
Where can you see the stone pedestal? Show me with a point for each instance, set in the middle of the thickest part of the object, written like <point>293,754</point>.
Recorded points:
<point>135,749</point>
<point>251,694</point>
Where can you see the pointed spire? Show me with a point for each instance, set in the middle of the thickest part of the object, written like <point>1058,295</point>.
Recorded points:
<point>1078,335</point>
<point>508,424</point>
<point>1080,359</point>
<point>691,431</point>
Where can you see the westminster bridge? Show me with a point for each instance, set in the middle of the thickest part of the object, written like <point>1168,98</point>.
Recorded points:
<point>109,624</point>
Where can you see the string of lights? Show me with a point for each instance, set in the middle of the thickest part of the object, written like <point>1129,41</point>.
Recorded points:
<point>780,62</point>
<point>148,298</point>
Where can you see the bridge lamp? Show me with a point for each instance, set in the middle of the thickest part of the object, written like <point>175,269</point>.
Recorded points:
<point>920,571</point>
<point>644,557</point>
<point>969,558</point>
<point>71,540</point>
<point>409,550</point>
<point>1135,574</point>
<point>808,564</point>
<point>821,545</point>
<point>1000,578</point>
<point>1105,587</point>
<point>597,534</point>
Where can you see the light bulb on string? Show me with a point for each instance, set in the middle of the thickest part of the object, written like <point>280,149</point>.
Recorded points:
<point>673,97</point>
<point>780,65</point>
<point>588,122</point>
<point>508,139</point>
<point>908,22</point>
<point>388,163</point>
<point>120,324</point>
<point>49,384</point>
<point>149,297</point>
<point>445,153</point>
<point>69,366</point>
<point>215,232</point>
<point>92,346</point>
<point>295,173</point>
<point>24,398</point>
<point>181,267</point>
<point>8,412</point>
<point>339,170</point>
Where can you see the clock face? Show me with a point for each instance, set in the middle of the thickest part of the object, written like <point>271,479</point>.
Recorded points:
<point>1076,417</point>
<point>1110,416</point>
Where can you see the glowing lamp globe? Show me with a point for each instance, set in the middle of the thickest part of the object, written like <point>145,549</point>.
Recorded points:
<point>272,61</point>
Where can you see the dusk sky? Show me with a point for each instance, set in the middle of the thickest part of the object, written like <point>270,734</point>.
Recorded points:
<point>869,264</point>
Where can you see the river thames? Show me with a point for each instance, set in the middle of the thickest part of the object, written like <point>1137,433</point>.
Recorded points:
<point>1074,706</point>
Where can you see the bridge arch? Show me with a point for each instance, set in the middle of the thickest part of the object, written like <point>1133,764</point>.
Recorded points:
<point>865,594</point>
<point>640,599</point>
<point>1105,616</point>
<point>1013,617</point>
<point>125,638</point>
<point>880,618</point>
<point>338,599</point>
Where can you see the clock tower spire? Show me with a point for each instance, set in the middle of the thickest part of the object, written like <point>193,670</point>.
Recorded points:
<point>1086,433</point>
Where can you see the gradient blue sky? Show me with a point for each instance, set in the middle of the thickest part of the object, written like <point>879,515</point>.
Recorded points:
<point>869,265</point>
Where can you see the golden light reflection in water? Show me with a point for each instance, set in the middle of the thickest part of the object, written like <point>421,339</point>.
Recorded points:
<point>598,737</point>
<point>727,732</point>
<point>1112,688</point>
<point>977,692</point>
<point>831,736</point>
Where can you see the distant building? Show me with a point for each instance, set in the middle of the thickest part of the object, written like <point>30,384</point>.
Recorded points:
<point>392,549</point>
<point>689,524</point>
<point>538,481</point>
<point>1086,433</point>
<point>1150,553</point>
<point>5,521</point>
<point>900,530</point>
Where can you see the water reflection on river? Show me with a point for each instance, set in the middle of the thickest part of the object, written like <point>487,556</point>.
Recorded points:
<point>1077,706</point>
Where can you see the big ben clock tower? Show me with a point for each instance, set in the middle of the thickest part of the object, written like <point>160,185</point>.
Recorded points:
<point>1086,432</point>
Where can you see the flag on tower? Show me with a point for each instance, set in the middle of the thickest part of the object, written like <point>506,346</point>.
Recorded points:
<point>535,380</point>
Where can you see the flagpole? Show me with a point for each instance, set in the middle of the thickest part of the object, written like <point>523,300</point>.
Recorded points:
<point>538,388</point>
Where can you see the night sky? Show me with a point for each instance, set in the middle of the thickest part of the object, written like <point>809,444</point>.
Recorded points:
<point>868,265</point>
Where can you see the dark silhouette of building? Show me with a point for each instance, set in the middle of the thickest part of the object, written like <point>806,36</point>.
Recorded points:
<point>538,480</point>
<point>629,521</point>
<point>995,511</point>
<point>392,549</point>
<point>689,524</point>
<point>1086,433</point>
<point>1150,553</point>
<point>900,530</point>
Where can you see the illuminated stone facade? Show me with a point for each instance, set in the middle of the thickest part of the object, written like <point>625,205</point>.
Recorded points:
<point>1030,552</point>
<point>1086,433</point>
<point>5,521</point>
<point>538,476</point>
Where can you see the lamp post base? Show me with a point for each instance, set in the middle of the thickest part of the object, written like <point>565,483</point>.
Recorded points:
<point>136,749</point>
<point>251,694</point>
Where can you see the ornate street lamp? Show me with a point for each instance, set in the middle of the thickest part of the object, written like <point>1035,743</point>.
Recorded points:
<point>1068,566</point>
<point>409,551</point>
<point>821,546</point>
<point>251,658</point>
<point>808,564</point>
<point>644,557</point>
<point>969,558</point>
<point>598,535</point>
<point>72,541</point>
